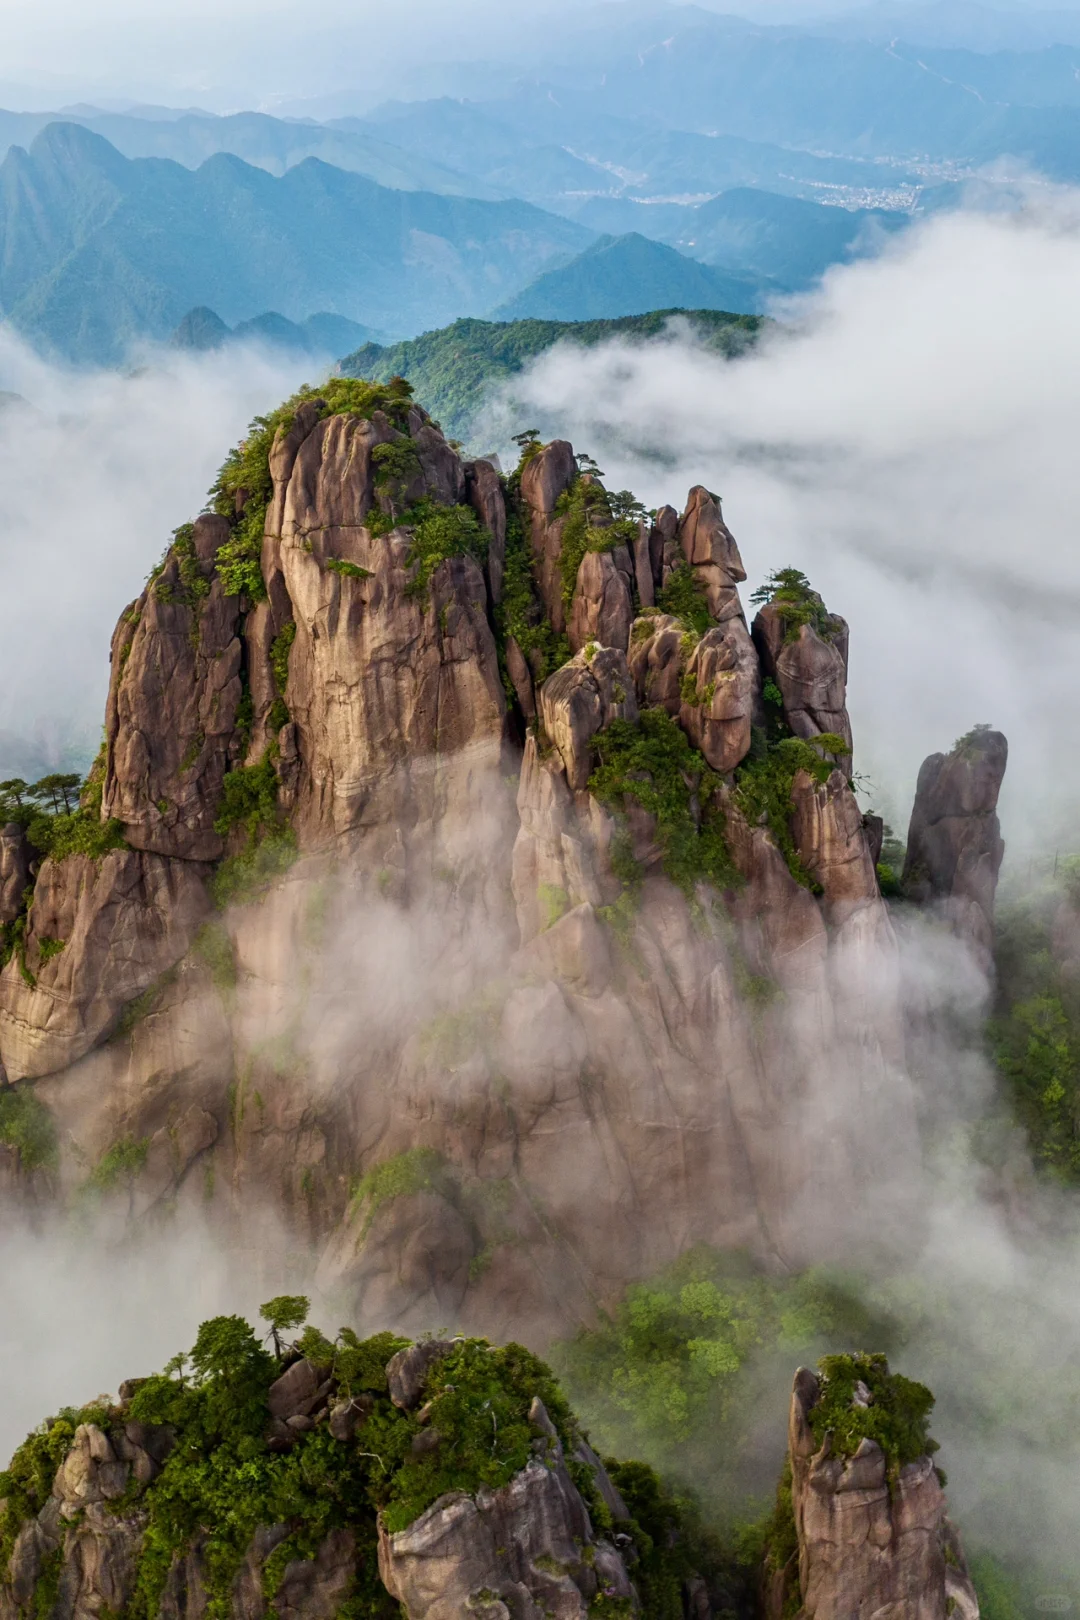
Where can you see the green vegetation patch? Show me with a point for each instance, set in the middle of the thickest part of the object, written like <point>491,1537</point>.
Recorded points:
<point>440,532</point>
<point>27,1126</point>
<point>651,762</point>
<point>1034,1033</point>
<point>213,945</point>
<point>416,1170</point>
<point>668,1375</point>
<point>243,488</point>
<point>790,592</point>
<point>454,368</point>
<point>684,598</point>
<point>249,801</point>
<point>764,783</point>
<point>897,1414</point>
<point>348,570</point>
<point>120,1164</point>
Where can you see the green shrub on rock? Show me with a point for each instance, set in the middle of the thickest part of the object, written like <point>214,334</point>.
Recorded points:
<point>227,1471</point>
<point>27,1126</point>
<point>861,1399</point>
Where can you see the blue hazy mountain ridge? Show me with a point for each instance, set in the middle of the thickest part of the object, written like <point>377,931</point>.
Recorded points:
<point>631,275</point>
<point>203,330</point>
<point>786,241</point>
<point>956,25</point>
<point>626,157</point>
<point>274,144</point>
<point>98,250</point>
<point>790,88</point>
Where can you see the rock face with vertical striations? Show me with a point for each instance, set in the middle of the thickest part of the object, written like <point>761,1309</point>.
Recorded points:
<point>873,1535</point>
<point>14,871</point>
<point>487,964</point>
<point>955,848</point>
<point>173,696</point>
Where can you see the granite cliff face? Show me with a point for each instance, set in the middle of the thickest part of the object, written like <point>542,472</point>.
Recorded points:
<point>489,898</point>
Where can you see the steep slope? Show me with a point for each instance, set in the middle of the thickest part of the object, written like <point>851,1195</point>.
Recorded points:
<point>629,275</point>
<point>454,369</point>
<point>462,877</point>
<point>97,250</point>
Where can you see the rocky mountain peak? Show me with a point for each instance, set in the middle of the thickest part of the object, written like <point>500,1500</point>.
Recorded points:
<point>462,821</point>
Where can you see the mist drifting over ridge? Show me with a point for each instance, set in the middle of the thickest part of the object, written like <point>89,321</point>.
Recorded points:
<point>907,441</point>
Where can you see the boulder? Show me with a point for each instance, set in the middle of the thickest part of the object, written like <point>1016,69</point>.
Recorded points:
<point>603,605</point>
<point>576,702</point>
<point>810,671</point>
<point>485,494</point>
<point>720,690</point>
<point>301,1390</point>
<point>955,848</point>
<point>644,577</point>
<point>709,547</point>
<point>545,477</point>
<point>527,1549</point>
<point>656,659</point>
<point>833,843</point>
<point>664,551</point>
<point>407,1371</point>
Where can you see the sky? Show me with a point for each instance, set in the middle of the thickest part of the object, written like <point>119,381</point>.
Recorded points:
<point>243,54</point>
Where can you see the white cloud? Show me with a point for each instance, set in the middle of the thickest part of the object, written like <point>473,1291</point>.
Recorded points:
<point>911,444</point>
<point>96,470</point>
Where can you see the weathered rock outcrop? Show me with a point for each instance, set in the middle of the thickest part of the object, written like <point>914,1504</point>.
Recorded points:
<point>173,696</point>
<point>869,1543</point>
<point>14,871</point>
<point>525,1547</point>
<point>544,478</point>
<point>100,932</point>
<point>955,848</point>
<point>582,1057</point>
<point>810,670</point>
<point>709,547</point>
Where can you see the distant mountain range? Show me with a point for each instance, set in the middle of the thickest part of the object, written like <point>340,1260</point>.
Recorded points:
<point>454,370</point>
<point>203,330</point>
<point>630,275</point>
<point>97,250</point>
<point>273,144</point>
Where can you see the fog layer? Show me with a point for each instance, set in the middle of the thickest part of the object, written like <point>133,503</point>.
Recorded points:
<point>96,471</point>
<point>910,444</point>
